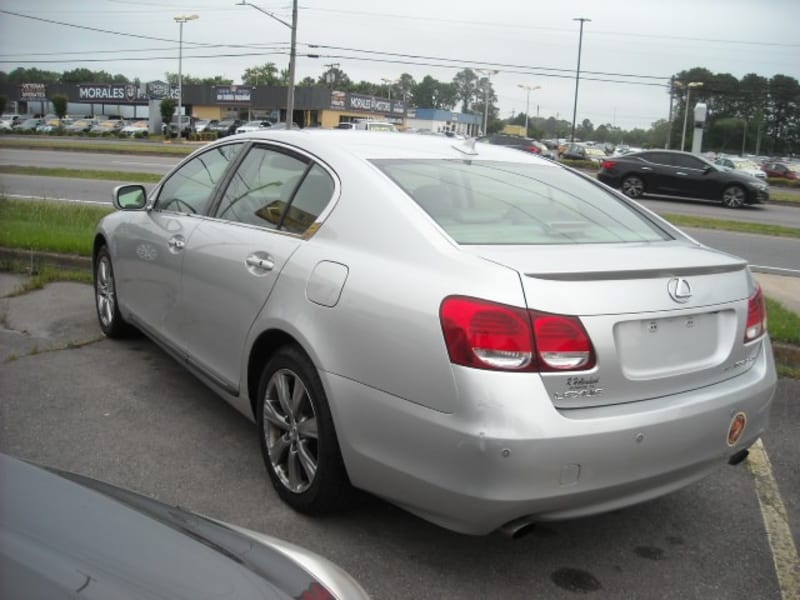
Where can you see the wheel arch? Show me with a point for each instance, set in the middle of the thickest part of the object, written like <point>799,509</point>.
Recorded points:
<point>99,242</point>
<point>264,347</point>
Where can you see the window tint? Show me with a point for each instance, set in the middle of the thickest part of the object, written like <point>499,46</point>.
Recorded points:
<point>262,187</point>
<point>190,188</point>
<point>688,162</point>
<point>309,201</point>
<point>659,158</point>
<point>482,202</point>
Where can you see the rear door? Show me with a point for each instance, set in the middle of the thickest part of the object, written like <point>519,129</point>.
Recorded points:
<point>233,261</point>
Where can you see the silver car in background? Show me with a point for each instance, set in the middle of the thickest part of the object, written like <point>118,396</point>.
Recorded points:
<point>478,335</point>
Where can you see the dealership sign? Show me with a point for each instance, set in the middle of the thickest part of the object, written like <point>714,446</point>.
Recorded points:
<point>33,91</point>
<point>234,94</point>
<point>109,92</point>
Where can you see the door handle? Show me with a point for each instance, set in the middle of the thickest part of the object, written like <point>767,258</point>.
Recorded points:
<point>680,173</point>
<point>262,263</point>
<point>647,169</point>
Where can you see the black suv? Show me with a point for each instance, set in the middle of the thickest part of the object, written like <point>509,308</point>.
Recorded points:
<point>673,173</point>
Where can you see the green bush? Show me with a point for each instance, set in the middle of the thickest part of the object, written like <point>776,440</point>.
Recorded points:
<point>783,182</point>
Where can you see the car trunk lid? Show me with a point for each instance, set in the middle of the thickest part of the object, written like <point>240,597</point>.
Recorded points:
<point>664,317</point>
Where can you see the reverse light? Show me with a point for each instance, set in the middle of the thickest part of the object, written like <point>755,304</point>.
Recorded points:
<point>488,335</point>
<point>756,316</point>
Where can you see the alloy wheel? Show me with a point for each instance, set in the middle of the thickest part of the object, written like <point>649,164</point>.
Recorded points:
<point>105,292</point>
<point>733,196</point>
<point>290,431</point>
<point>633,187</point>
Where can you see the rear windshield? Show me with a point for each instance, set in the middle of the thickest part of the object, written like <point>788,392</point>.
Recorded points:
<point>482,202</point>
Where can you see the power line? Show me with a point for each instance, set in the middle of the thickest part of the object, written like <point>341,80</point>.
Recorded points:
<point>555,29</point>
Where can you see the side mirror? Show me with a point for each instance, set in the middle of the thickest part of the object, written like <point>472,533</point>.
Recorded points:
<point>707,169</point>
<point>129,197</point>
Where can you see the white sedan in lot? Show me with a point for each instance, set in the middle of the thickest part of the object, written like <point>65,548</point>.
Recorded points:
<point>256,125</point>
<point>481,336</point>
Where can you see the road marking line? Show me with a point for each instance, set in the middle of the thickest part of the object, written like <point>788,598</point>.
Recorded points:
<point>776,522</point>
<point>775,270</point>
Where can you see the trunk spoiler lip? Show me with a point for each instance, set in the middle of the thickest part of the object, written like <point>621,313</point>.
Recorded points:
<point>656,273</point>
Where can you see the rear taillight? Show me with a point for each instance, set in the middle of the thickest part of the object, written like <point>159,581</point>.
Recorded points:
<point>534,149</point>
<point>562,343</point>
<point>756,316</point>
<point>608,164</point>
<point>487,335</point>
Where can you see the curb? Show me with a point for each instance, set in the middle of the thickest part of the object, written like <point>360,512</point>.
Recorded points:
<point>35,258</point>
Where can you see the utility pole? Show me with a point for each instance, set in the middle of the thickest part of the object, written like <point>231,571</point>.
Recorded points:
<point>577,75</point>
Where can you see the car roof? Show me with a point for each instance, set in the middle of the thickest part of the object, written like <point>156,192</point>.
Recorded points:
<point>369,145</point>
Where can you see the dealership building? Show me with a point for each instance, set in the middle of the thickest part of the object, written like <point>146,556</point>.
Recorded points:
<point>313,106</point>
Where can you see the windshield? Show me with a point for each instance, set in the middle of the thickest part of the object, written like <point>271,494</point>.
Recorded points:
<point>483,202</point>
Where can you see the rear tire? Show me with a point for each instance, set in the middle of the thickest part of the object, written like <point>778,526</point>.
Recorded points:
<point>733,196</point>
<point>633,186</point>
<point>106,302</point>
<point>298,439</point>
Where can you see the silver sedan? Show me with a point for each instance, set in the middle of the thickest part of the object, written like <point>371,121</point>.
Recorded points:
<point>482,337</point>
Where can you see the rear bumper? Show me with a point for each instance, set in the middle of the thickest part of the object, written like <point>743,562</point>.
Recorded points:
<point>511,454</point>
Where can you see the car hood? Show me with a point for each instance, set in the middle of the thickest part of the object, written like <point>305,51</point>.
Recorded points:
<point>61,533</point>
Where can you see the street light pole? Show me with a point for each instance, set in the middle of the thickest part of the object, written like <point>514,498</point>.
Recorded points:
<point>292,55</point>
<point>180,20</point>
<point>689,86</point>
<point>577,75</point>
<point>488,73</point>
<point>528,101</point>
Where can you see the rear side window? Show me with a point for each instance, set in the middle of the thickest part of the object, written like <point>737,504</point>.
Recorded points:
<point>482,202</point>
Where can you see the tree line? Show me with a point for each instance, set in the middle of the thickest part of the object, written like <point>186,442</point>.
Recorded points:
<point>753,114</point>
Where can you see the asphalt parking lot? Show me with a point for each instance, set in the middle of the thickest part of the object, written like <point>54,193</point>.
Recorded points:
<point>126,413</point>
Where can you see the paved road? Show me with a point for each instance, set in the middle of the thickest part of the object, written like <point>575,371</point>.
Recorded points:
<point>126,413</point>
<point>87,160</point>
<point>772,214</point>
<point>782,255</point>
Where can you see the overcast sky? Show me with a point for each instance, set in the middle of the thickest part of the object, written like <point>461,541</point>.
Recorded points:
<point>530,42</point>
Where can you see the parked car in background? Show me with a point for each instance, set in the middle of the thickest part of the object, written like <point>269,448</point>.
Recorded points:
<point>4,126</point>
<point>674,173</point>
<point>561,352</point>
<point>780,169</point>
<point>182,125</point>
<point>68,536</point>
<point>80,125</point>
<point>108,127</point>
<point>596,154</point>
<point>742,165</point>
<point>519,142</point>
<point>254,125</point>
<point>202,125</point>
<point>28,124</point>
<point>367,125</point>
<point>136,127</point>
<point>12,118</point>
<point>574,152</point>
<point>225,127</point>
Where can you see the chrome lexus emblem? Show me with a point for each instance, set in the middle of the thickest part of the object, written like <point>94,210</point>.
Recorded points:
<point>679,290</point>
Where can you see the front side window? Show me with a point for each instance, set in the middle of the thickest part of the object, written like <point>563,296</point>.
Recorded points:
<point>689,162</point>
<point>488,202</point>
<point>190,189</point>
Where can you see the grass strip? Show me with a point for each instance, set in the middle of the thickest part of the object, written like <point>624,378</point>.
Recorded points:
<point>738,226</point>
<point>48,226</point>
<point>784,197</point>
<point>128,176</point>
<point>113,147</point>
<point>783,324</point>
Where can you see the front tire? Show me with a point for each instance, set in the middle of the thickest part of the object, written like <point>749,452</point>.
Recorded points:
<point>633,186</point>
<point>105,293</point>
<point>298,439</point>
<point>733,196</point>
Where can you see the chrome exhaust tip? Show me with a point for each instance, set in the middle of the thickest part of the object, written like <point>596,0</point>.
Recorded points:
<point>518,527</point>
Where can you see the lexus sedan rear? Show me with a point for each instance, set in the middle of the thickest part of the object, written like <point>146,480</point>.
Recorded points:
<point>478,335</point>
